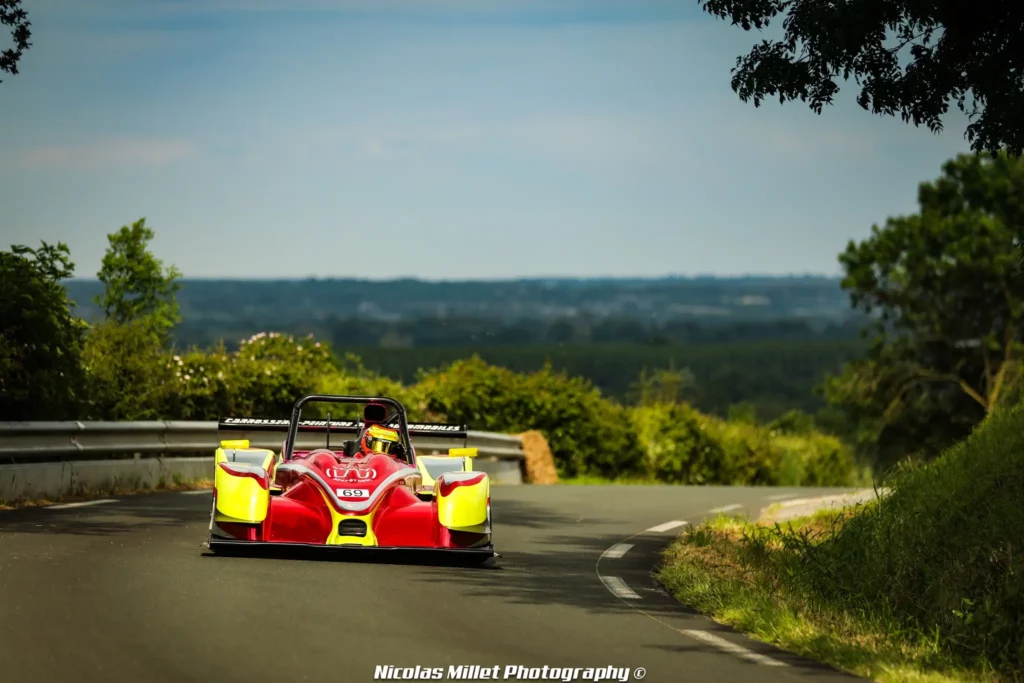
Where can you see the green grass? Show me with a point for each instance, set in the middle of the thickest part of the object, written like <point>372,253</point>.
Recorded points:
<point>926,584</point>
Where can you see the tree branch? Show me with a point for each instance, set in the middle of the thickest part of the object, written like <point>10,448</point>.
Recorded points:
<point>988,366</point>
<point>1007,357</point>
<point>1008,338</point>
<point>955,379</point>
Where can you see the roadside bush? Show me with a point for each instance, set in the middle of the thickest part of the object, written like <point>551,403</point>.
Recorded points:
<point>675,446</point>
<point>263,378</point>
<point>269,371</point>
<point>749,455</point>
<point>127,373</point>
<point>941,554</point>
<point>204,385</point>
<point>758,455</point>
<point>588,434</point>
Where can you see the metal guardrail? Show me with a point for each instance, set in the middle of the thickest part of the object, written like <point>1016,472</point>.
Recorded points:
<point>28,441</point>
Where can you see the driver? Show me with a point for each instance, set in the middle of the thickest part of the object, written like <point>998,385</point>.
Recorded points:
<point>377,439</point>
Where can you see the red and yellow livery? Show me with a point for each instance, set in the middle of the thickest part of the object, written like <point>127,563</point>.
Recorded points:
<point>373,493</point>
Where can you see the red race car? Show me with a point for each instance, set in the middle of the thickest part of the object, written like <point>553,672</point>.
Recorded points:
<point>372,493</point>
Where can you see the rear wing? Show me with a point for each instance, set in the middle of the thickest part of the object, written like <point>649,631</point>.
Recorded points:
<point>255,424</point>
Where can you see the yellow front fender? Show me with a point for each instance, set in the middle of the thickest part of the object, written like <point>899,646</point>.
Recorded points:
<point>242,484</point>
<point>462,500</point>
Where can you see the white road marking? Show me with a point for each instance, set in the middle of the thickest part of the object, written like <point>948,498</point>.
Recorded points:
<point>617,550</point>
<point>619,588</point>
<point>738,650</point>
<point>727,508</point>
<point>196,493</point>
<point>783,496</point>
<point>65,506</point>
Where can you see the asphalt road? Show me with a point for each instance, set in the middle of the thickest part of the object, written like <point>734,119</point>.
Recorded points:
<point>125,592</point>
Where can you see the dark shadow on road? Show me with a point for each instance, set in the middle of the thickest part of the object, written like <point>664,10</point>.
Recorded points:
<point>547,564</point>
<point>149,510</point>
<point>416,557</point>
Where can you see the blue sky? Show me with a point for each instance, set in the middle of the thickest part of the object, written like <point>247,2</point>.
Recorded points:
<point>444,139</point>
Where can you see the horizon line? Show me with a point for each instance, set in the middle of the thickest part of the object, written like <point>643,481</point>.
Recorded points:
<point>531,278</point>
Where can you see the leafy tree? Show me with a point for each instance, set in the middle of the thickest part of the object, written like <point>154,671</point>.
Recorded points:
<point>40,340</point>
<point>12,15</point>
<point>130,375</point>
<point>955,48</point>
<point>137,287</point>
<point>947,290</point>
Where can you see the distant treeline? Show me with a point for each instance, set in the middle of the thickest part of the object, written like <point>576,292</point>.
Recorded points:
<point>662,299</point>
<point>464,331</point>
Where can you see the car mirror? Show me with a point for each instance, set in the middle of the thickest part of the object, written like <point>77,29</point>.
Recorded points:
<point>463,452</point>
<point>351,448</point>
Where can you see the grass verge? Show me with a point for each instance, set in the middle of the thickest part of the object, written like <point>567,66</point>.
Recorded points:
<point>926,584</point>
<point>114,489</point>
<point>739,573</point>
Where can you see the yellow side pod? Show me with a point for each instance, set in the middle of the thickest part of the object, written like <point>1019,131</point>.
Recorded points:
<point>465,507</point>
<point>240,493</point>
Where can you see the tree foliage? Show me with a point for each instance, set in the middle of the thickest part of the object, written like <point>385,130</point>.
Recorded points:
<point>128,373</point>
<point>947,287</point>
<point>13,16</point>
<point>967,51</point>
<point>137,287</point>
<point>40,340</point>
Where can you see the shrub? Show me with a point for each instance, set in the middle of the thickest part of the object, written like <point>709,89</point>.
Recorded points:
<point>588,434</point>
<point>204,385</point>
<point>270,371</point>
<point>675,446</point>
<point>127,373</point>
<point>757,455</point>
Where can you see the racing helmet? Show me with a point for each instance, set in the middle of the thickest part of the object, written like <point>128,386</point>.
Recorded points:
<point>379,439</point>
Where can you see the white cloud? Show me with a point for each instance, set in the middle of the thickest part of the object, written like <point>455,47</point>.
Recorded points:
<point>112,153</point>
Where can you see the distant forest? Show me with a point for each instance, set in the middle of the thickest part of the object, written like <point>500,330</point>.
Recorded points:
<point>763,341</point>
<point>658,300</point>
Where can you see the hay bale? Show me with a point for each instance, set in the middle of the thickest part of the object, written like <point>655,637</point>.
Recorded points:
<point>540,464</point>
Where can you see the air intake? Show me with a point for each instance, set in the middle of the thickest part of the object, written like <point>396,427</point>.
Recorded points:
<point>352,527</point>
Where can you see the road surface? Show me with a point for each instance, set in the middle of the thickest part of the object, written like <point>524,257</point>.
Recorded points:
<point>123,591</point>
